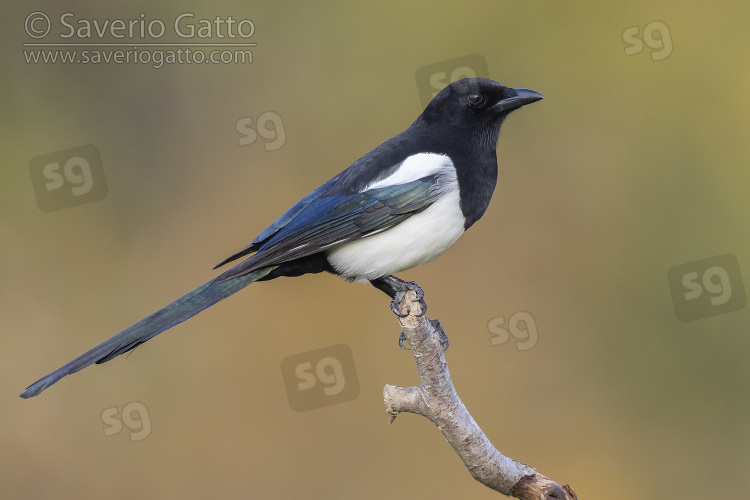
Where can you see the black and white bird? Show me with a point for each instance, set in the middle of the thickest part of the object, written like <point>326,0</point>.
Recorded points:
<point>399,206</point>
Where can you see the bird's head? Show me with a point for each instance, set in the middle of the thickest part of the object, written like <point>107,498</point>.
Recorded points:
<point>476,103</point>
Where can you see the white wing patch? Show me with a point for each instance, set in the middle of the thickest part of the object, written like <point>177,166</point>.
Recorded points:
<point>419,239</point>
<point>416,167</point>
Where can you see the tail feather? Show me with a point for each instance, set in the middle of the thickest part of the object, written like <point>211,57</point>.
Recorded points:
<point>165,318</point>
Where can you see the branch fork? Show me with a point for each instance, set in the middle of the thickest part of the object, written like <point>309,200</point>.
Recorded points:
<point>435,399</point>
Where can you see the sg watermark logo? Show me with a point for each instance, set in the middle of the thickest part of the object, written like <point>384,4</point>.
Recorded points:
<point>269,126</point>
<point>521,327</point>
<point>707,287</point>
<point>319,378</point>
<point>655,36</point>
<point>432,78</point>
<point>68,178</point>
<point>134,416</point>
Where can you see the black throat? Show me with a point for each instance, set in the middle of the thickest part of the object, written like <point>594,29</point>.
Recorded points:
<point>477,178</point>
<point>473,152</point>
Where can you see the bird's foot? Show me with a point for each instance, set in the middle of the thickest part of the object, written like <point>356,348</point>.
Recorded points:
<point>396,289</point>
<point>396,302</point>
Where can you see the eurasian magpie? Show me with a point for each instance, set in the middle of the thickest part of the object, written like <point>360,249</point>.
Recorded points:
<point>399,206</point>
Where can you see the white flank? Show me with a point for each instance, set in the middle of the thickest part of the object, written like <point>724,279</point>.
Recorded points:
<point>419,239</point>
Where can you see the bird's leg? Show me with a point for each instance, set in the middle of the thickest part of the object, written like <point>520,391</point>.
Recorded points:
<point>396,288</point>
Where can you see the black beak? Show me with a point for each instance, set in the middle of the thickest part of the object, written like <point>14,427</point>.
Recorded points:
<point>522,98</point>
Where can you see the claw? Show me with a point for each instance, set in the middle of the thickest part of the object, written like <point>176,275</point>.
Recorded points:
<point>444,341</point>
<point>396,303</point>
<point>401,338</point>
<point>423,305</point>
<point>441,334</point>
<point>419,298</point>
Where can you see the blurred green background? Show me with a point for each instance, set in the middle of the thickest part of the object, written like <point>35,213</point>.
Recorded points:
<point>632,164</point>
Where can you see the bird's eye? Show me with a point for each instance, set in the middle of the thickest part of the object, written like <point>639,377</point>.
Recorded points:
<point>476,100</point>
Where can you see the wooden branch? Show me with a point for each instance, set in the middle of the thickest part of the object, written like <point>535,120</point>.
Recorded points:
<point>435,398</point>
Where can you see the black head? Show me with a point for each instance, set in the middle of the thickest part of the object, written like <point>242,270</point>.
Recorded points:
<point>474,103</point>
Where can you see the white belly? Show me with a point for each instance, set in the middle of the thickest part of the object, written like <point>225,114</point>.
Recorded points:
<point>418,240</point>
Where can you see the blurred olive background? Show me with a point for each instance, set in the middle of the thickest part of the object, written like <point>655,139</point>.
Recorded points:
<point>631,165</point>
